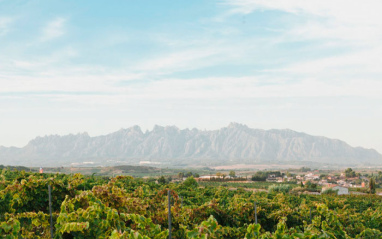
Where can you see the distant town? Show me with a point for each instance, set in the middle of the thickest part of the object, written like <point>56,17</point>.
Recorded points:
<point>310,181</point>
<point>295,180</point>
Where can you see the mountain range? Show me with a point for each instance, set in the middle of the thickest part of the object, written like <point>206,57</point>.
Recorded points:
<point>235,143</point>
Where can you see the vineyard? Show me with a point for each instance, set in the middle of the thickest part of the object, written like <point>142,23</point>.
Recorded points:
<point>126,207</point>
<point>249,185</point>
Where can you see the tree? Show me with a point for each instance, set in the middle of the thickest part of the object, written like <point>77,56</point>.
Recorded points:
<point>190,182</point>
<point>161,180</point>
<point>372,185</point>
<point>151,179</point>
<point>232,174</point>
<point>180,175</point>
<point>169,179</point>
<point>260,176</point>
<point>305,169</point>
<point>349,173</point>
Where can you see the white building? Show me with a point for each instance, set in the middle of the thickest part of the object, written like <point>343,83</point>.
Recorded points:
<point>341,190</point>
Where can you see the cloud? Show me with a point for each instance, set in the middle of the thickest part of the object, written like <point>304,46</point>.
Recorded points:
<point>254,87</point>
<point>357,11</point>
<point>201,52</point>
<point>4,25</point>
<point>56,74</point>
<point>365,62</point>
<point>358,20</point>
<point>178,60</point>
<point>53,29</point>
<point>344,41</point>
<point>100,88</point>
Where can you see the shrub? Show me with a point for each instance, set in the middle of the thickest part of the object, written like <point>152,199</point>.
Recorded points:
<point>190,182</point>
<point>330,191</point>
<point>282,188</point>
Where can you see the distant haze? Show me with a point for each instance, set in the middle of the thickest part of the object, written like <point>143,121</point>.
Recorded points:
<point>236,143</point>
<point>97,66</point>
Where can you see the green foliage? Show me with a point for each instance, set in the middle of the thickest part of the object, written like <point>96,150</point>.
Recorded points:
<point>372,185</point>
<point>305,169</point>
<point>190,182</point>
<point>303,189</point>
<point>161,180</point>
<point>126,207</point>
<point>263,175</point>
<point>349,173</point>
<point>280,188</point>
<point>330,191</point>
<point>85,216</point>
<point>310,185</point>
<point>10,228</point>
<point>188,174</point>
<point>253,231</point>
<point>208,229</point>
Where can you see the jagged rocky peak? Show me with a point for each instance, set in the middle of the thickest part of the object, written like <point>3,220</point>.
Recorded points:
<point>287,132</point>
<point>172,129</point>
<point>136,129</point>
<point>157,128</point>
<point>234,125</point>
<point>132,129</point>
<point>169,130</point>
<point>83,135</point>
<point>46,138</point>
<point>236,142</point>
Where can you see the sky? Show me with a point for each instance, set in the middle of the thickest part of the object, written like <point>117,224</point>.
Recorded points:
<point>312,66</point>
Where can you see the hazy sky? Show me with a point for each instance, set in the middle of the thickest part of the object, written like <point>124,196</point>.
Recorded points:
<point>98,66</point>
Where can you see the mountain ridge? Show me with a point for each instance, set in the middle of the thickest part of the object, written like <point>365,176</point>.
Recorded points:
<point>236,143</point>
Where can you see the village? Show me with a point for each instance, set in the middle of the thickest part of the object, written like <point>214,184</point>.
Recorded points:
<point>309,181</point>
<point>347,182</point>
<point>340,183</point>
